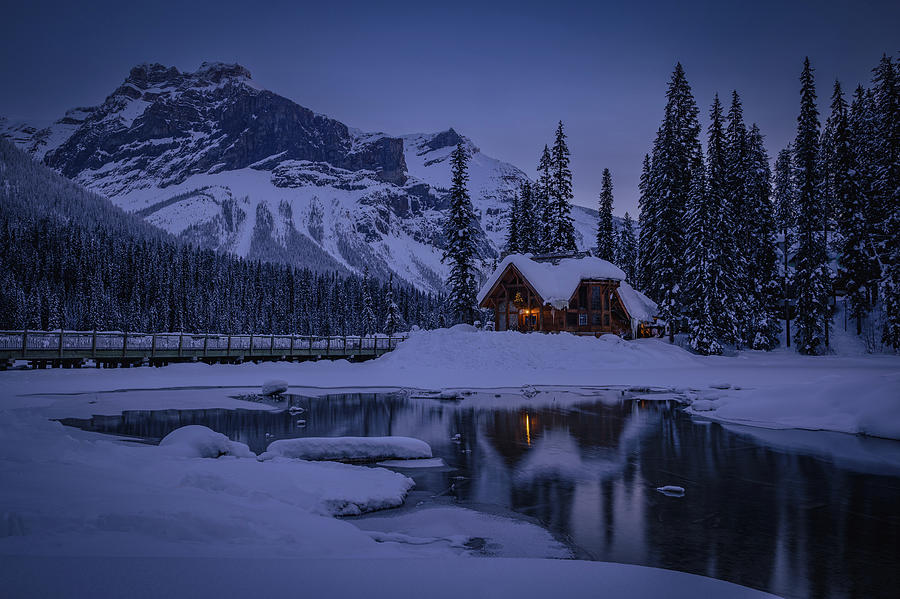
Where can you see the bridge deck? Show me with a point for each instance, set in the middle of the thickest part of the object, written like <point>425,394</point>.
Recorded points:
<point>67,348</point>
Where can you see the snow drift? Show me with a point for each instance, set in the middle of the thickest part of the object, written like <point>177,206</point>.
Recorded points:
<point>361,449</point>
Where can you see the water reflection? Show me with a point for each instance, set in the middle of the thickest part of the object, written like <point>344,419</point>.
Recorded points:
<point>761,510</point>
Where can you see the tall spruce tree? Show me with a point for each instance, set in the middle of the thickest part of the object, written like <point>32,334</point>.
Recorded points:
<point>811,272</point>
<point>513,241</point>
<point>367,324</point>
<point>857,263</point>
<point>627,255</point>
<point>675,157</point>
<point>886,190</point>
<point>739,217</point>
<point>542,206</point>
<point>762,264</point>
<point>786,221</point>
<point>709,284</point>
<point>527,222</point>
<point>460,249</point>
<point>606,240</point>
<point>393,322</point>
<point>562,231</point>
<point>647,211</point>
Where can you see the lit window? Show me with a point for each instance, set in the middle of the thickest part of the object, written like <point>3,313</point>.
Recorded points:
<point>582,319</point>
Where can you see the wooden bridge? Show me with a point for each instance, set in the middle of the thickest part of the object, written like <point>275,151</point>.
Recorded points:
<point>111,349</point>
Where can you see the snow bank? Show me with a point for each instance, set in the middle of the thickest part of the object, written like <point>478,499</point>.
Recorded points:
<point>196,441</point>
<point>369,449</point>
<point>464,531</point>
<point>274,387</point>
<point>868,405</point>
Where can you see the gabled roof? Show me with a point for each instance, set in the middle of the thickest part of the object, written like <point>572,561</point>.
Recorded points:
<point>555,283</point>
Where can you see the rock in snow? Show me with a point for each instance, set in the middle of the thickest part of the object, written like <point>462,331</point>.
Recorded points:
<point>197,441</point>
<point>363,449</point>
<point>274,387</point>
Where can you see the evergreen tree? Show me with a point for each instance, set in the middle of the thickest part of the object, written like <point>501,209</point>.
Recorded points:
<point>627,256</point>
<point>562,231</point>
<point>606,242</point>
<point>709,284</point>
<point>513,243</point>
<point>811,271</point>
<point>860,269</point>
<point>527,224</point>
<point>886,191</point>
<point>367,325</point>
<point>460,250</point>
<point>675,159</point>
<point>786,220</point>
<point>738,217</point>
<point>764,286</point>
<point>542,207</point>
<point>647,211</point>
<point>394,322</point>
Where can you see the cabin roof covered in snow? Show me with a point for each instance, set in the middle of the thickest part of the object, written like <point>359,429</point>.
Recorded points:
<point>556,283</point>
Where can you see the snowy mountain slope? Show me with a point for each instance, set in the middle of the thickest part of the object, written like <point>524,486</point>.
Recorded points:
<point>211,157</point>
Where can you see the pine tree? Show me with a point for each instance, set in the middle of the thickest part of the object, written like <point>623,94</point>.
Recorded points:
<point>709,283</point>
<point>860,269</point>
<point>739,217</point>
<point>527,224</point>
<point>542,207</point>
<point>811,272</point>
<point>606,242</point>
<point>394,322</point>
<point>647,211</point>
<point>786,220</point>
<point>562,231</point>
<point>627,256</point>
<point>762,264</point>
<point>368,310</point>
<point>513,243</point>
<point>676,154</point>
<point>460,250</point>
<point>886,191</point>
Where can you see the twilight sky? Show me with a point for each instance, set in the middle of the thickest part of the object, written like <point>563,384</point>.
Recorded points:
<point>500,73</point>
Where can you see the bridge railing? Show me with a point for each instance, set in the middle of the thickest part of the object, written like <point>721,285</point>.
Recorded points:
<point>49,344</point>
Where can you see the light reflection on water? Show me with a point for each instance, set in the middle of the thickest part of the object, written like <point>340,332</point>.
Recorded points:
<point>771,510</point>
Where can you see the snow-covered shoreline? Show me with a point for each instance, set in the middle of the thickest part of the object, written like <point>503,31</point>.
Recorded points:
<point>781,389</point>
<point>74,499</point>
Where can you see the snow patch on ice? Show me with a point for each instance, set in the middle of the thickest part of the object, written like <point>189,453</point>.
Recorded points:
<point>369,449</point>
<point>195,441</point>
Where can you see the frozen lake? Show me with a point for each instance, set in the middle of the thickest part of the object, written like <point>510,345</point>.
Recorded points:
<point>796,513</point>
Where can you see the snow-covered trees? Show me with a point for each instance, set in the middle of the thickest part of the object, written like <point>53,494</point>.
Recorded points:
<point>70,259</point>
<point>513,242</point>
<point>811,278</point>
<point>665,189</point>
<point>393,322</point>
<point>785,221</point>
<point>561,233</point>
<point>709,293</point>
<point>460,249</point>
<point>606,239</point>
<point>529,227</point>
<point>626,256</point>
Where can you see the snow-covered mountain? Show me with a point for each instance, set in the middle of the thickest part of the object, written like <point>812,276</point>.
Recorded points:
<point>211,157</point>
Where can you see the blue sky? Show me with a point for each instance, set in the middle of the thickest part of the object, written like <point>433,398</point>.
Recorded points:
<point>500,73</point>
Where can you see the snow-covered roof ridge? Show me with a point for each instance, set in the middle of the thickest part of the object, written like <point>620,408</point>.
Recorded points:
<point>556,281</point>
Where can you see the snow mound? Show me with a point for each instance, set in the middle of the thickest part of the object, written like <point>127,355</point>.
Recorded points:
<point>195,441</point>
<point>671,490</point>
<point>364,449</point>
<point>492,358</point>
<point>274,387</point>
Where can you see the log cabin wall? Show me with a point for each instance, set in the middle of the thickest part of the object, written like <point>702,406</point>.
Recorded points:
<point>594,308</point>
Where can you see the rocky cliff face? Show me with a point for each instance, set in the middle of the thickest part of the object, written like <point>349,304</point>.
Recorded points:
<point>209,156</point>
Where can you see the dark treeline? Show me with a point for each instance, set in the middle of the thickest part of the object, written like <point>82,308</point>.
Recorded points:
<point>722,251</point>
<point>70,259</point>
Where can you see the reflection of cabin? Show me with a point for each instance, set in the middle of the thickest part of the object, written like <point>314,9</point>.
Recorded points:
<point>578,294</point>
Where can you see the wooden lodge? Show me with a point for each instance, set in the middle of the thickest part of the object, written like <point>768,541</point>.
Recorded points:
<point>576,293</point>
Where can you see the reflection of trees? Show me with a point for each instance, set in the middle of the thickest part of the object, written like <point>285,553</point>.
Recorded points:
<point>776,520</point>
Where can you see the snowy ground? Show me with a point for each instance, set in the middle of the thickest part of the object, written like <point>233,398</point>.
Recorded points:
<point>70,497</point>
